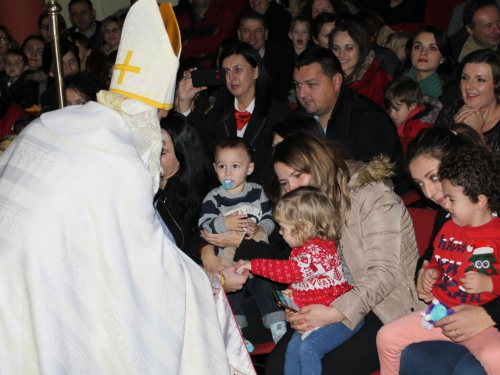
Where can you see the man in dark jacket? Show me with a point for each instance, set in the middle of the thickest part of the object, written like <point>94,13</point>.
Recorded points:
<point>82,17</point>
<point>352,120</point>
<point>277,18</point>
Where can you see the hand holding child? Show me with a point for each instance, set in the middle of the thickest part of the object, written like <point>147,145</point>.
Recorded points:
<point>236,222</point>
<point>244,265</point>
<point>475,282</point>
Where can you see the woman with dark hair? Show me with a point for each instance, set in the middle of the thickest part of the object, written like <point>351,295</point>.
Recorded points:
<point>322,27</point>
<point>187,177</point>
<point>429,61</point>
<point>244,107</point>
<point>424,156</point>
<point>70,66</point>
<point>33,47</point>
<point>44,27</point>
<point>93,61</point>
<point>7,42</point>
<point>479,102</point>
<point>351,43</point>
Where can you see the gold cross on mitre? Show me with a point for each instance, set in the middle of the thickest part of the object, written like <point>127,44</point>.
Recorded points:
<point>125,67</point>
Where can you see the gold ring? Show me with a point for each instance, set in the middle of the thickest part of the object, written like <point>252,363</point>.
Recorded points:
<point>456,333</point>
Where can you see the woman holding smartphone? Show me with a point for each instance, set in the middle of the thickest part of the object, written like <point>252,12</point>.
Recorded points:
<point>244,107</point>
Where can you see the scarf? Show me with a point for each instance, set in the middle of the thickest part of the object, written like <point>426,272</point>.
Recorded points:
<point>431,86</point>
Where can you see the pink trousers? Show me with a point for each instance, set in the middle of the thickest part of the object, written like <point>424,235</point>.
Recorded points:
<point>394,337</point>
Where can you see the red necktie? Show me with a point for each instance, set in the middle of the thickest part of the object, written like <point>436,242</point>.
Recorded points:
<point>242,118</point>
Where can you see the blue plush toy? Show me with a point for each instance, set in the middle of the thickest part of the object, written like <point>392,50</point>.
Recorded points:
<point>434,312</point>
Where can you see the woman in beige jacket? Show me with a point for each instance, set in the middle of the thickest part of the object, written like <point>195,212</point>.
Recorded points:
<point>378,247</point>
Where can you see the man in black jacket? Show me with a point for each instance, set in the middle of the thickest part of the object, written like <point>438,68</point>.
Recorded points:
<point>354,121</point>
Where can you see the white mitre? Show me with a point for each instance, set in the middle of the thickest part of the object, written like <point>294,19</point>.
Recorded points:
<point>148,56</point>
<point>144,74</point>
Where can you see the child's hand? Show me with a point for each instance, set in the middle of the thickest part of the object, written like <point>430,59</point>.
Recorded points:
<point>252,229</point>
<point>247,265</point>
<point>475,282</point>
<point>429,279</point>
<point>236,222</point>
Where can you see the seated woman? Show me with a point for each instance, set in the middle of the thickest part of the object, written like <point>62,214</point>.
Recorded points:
<point>479,103</point>
<point>187,178</point>
<point>313,8</point>
<point>377,243</point>
<point>350,41</point>
<point>93,61</point>
<point>244,107</point>
<point>424,157</point>
<point>429,61</point>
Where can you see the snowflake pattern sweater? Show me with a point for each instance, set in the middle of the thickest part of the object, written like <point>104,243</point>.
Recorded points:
<point>314,272</point>
<point>458,250</point>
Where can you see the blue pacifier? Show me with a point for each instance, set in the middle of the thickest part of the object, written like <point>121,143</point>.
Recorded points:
<point>227,184</point>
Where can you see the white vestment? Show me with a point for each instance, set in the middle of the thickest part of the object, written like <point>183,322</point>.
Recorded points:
<point>89,284</point>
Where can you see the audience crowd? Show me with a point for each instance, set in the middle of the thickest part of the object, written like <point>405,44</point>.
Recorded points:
<point>323,93</point>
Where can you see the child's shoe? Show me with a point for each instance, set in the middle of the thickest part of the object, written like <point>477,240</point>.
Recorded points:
<point>278,329</point>
<point>249,345</point>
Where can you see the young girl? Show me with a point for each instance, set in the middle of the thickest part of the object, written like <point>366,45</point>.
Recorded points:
<point>314,271</point>
<point>465,264</point>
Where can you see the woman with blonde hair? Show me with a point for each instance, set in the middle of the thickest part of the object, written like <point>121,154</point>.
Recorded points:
<point>377,244</point>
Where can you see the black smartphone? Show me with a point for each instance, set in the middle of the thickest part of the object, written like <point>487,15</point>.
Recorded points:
<point>284,301</point>
<point>208,77</point>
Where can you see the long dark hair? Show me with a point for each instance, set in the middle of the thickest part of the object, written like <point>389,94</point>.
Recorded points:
<point>446,70</point>
<point>195,175</point>
<point>262,84</point>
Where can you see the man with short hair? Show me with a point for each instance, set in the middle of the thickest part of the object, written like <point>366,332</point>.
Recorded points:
<point>279,60</point>
<point>482,28</point>
<point>276,17</point>
<point>203,26</point>
<point>82,17</point>
<point>354,121</point>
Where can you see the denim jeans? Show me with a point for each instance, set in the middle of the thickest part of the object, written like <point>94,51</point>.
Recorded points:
<point>304,356</point>
<point>439,358</point>
<point>261,290</point>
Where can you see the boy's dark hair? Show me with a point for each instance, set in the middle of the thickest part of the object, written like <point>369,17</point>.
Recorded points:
<point>232,143</point>
<point>471,7</point>
<point>403,90</point>
<point>18,52</point>
<point>320,20</point>
<point>477,170</point>
<point>300,19</point>
<point>330,65</point>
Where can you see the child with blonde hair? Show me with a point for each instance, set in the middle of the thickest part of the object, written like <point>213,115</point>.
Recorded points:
<point>314,272</point>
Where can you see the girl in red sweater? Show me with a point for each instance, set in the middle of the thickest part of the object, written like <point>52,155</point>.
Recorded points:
<point>314,272</point>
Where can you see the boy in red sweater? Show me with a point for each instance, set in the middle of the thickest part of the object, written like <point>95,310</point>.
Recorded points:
<point>466,262</point>
<point>314,272</point>
<point>404,103</point>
